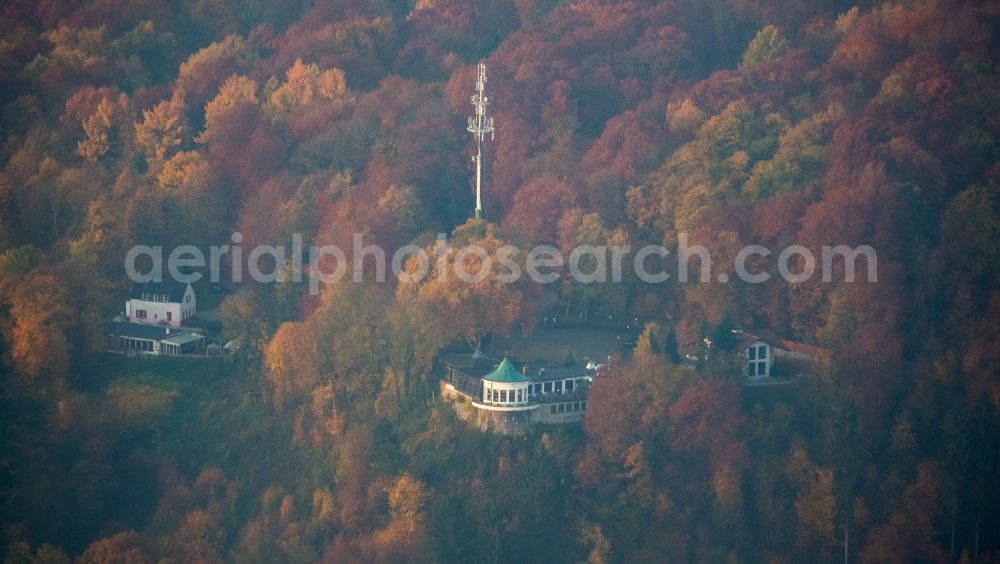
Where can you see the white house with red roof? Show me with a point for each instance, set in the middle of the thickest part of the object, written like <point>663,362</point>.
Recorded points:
<point>766,355</point>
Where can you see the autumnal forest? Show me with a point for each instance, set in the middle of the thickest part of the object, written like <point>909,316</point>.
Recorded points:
<point>322,438</point>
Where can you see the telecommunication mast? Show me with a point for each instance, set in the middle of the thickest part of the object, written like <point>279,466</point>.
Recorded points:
<point>479,126</point>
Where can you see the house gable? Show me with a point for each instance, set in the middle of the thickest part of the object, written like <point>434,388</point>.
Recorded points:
<point>758,357</point>
<point>167,302</point>
<point>762,350</point>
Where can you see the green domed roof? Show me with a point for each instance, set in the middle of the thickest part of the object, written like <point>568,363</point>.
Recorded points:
<point>507,373</point>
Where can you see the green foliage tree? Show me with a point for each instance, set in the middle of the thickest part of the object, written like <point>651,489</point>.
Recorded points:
<point>799,160</point>
<point>766,46</point>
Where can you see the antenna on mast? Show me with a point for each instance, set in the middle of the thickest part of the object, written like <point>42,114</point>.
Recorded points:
<point>479,126</point>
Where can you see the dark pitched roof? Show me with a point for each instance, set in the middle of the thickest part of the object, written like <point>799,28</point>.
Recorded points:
<point>475,366</point>
<point>751,336</point>
<point>142,330</point>
<point>540,373</point>
<point>173,289</point>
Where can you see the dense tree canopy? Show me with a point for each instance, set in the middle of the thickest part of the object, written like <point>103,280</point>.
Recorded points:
<point>720,123</point>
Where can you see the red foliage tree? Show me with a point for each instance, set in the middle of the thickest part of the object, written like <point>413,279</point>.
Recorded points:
<point>538,206</point>
<point>707,419</point>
